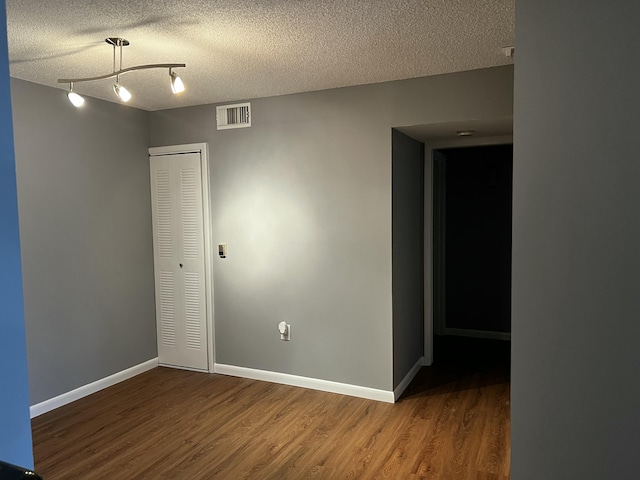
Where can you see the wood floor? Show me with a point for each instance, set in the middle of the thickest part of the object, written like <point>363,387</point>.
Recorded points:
<point>452,423</point>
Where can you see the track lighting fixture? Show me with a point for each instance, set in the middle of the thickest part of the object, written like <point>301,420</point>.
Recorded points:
<point>74,98</point>
<point>177,86</point>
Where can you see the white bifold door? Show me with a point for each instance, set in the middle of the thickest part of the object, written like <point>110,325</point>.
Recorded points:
<point>179,260</point>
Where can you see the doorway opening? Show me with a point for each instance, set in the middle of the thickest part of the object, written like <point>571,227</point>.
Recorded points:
<point>472,203</point>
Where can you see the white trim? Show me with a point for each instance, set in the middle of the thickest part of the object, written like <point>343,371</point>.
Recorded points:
<point>402,386</point>
<point>306,382</point>
<point>203,150</point>
<point>462,332</point>
<point>172,149</point>
<point>93,387</point>
<point>208,253</point>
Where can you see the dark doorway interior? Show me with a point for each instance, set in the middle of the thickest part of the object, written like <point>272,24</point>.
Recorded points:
<point>463,363</point>
<point>472,239</point>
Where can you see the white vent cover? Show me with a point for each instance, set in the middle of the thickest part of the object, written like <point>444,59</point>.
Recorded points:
<point>233,116</point>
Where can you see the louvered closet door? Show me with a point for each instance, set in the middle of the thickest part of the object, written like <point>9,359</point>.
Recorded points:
<point>178,244</point>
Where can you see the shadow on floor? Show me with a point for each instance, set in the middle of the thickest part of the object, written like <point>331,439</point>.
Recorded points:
<point>461,363</point>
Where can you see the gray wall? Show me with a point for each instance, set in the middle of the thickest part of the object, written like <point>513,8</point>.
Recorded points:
<point>576,238</point>
<point>15,428</point>
<point>407,176</point>
<point>303,199</point>
<point>85,228</point>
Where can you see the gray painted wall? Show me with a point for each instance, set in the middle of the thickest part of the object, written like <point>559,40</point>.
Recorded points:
<point>85,229</point>
<point>576,238</point>
<point>303,199</point>
<point>407,231</point>
<point>15,429</point>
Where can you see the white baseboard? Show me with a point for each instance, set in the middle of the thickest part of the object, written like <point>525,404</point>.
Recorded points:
<point>85,390</point>
<point>407,379</point>
<point>306,382</point>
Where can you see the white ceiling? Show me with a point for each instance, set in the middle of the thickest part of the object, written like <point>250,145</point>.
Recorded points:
<point>241,49</point>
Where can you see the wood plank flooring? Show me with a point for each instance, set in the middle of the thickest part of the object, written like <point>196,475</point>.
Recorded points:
<point>452,423</point>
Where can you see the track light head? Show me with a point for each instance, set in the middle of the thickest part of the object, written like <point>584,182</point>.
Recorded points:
<point>176,82</point>
<point>75,99</point>
<point>121,92</point>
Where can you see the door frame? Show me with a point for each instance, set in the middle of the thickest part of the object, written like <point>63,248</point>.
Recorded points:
<point>203,150</point>
<point>429,275</point>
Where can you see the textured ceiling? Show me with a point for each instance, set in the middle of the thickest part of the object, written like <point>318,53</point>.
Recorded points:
<point>240,49</point>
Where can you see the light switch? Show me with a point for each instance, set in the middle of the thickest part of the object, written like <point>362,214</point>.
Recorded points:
<point>222,250</point>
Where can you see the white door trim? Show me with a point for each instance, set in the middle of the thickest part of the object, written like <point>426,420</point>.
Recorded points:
<point>203,149</point>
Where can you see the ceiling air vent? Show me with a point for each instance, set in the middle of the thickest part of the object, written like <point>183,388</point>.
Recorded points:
<point>233,116</point>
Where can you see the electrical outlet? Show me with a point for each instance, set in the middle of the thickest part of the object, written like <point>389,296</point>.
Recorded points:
<point>285,331</point>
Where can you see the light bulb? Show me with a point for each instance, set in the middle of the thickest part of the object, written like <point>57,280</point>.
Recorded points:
<point>121,92</point>
<point>176,83</point>
<point>75,99</point>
